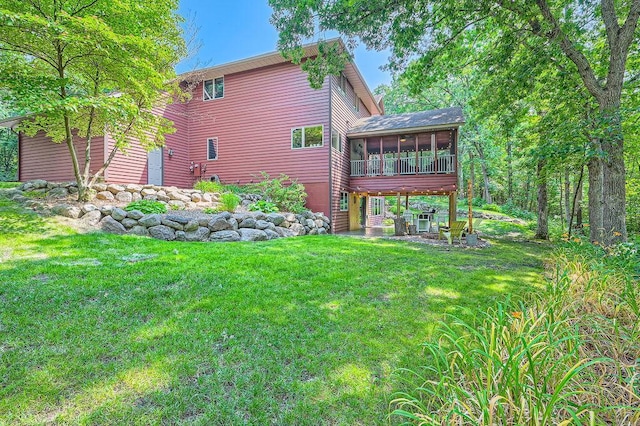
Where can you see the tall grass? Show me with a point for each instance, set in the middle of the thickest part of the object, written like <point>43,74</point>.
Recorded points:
<point>570,355</point>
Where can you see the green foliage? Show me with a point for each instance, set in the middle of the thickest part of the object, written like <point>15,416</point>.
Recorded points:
<point>210,210</point>
<point>9,185</point>
<point>147,206</point>
<point>566,355</point>
<point>286,193</point>
<point>229,201</point>
<point>264,206</point>
<point>176,207</point>
<point>394,207</point>
<point>209,186</point>
<point>491,207</point>
<point>35,194</point>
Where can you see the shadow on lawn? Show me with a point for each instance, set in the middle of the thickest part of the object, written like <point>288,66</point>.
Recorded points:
<point>111,329</point>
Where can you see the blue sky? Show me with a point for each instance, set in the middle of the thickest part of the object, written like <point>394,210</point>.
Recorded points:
<point>238,29</point>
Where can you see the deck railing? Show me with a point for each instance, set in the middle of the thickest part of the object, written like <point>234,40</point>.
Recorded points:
<point>445,164</point>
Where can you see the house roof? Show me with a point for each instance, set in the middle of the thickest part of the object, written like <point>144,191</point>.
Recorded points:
<point>11,122</point>
<point>380,125</point>
<point>273,58</point>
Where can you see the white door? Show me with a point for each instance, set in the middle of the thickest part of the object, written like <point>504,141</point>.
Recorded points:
<point>154,167</point>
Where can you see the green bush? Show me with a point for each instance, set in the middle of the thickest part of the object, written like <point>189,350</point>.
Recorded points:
<point>147,206</point>
<point>286,193</point>
<point>229,202</point>
<point>512,210</point>
<point>394,208</point>
<point>491,207</point>
<point>568,356</point>
<point>209,186</point>
<point>264,207</point>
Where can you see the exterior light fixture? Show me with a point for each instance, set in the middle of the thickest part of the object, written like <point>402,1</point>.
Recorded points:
<point>170,152</point>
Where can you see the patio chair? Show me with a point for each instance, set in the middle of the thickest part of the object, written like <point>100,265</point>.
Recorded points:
<point>476,223</point>
<point>455,231</point>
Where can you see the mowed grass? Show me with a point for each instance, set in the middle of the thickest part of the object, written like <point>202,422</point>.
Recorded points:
<point>105,329</point>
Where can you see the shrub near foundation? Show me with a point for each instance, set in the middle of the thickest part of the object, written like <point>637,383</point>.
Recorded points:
<point>147,206</point>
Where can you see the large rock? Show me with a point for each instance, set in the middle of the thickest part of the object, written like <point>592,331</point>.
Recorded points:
<point>297,229</point>
<point>218,224</point>
<point>105,195</point>
<point>135,214</point>
<point>58,192</point>
<point>38,184</point>
<point>118,213</point>
<point>290,217</point>
<point>176,204</point>
<point>178,219</point>
<point>109,224</point>
<point>249,222</point>
<point>99,187</point>
<point>139,230</point>
<point>271,235</point>
<point>313,231</point>
<point>175,195</point>
<point>263,224</point>
<point>136,196</point>
<point>124,197</point>
<point>285,232</point>
<point>248,234</point>
<point>319,223</point>
<point>322,231</point>
<point>89,207</point>
<point>206,197</point>
<point>275,218</point>
<point>196,198</point>
<point>310,223</point>
<point>114,188</point>
<point>106,210</point>
<point>91,218</point>
<point>224,236</point>
<point>132,187</point>
<point>162,232</point>
<point>192,225</point>
<point>171,224</point>
<point>148,191</point>
<point>67,211</point>
<point>259,216</point>
<point>150,220</point>
<point>128,222</point>
<point>233,222</point>
<point>200,234</point>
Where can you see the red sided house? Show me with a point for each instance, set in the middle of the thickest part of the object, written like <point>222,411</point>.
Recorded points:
<point>259,114</point>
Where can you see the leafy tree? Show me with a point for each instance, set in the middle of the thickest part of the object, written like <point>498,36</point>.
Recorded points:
<point>594,38</point>
<point>8,149</point>
<point>83,67</point>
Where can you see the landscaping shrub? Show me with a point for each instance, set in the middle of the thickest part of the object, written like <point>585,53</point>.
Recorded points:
<point>147,206</point>
<point>286,193</point>
<point>264,206</point>
<point>512,210</point>
<point>209,186</point>
<point>491,207</point>
<point>229,202</point>
<point>393,208</point>
<point>569,355</point>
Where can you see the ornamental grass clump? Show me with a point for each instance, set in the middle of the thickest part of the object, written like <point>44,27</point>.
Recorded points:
<point>570,355</point>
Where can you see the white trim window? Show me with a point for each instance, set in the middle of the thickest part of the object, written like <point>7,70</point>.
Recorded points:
<point>336,140</point>
<point>213,89</point>
<point>342,83</point>
<point>377,206</point>
<point>212,149</point>
<point>356,102</point>
<point>307,137</point>
<point>344,201</point>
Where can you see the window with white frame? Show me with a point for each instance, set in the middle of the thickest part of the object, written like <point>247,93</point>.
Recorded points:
<point>307,137</point>
<point>212,149</point>
<point>213,89</point>
<point>342,84</point>
<point>344,201</point>
<point>336,140</point>
<point>377,206</point>
<point>356,102</point>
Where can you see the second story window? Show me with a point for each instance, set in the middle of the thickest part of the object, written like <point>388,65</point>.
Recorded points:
<point>336,140</point>
<point>356,103</point>
<point>343,83</point>
<point>307,137</point>
<point>213,89</point>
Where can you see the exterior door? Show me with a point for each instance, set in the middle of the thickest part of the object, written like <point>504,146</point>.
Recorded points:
<point>154,167</point>
<point>354,212</point>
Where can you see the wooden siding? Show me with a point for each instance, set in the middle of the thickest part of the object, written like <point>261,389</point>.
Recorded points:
<point>342,116</point>
<point>404,184</point>
<point>253,125</point>
<point>129,166</point>
<point>176,167</point>
<point>40,158</point>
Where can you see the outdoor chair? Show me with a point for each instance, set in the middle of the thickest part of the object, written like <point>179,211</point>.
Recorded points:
<point>455,231</point>
<point>476,223</point>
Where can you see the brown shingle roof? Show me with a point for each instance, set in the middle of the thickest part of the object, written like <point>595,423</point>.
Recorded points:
<point>389,124</point>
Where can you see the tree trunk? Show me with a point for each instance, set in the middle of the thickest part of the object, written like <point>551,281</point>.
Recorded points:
<point>509,170</point>
<point>542,231</point>
<point>578,206</point>
<point>595,199</point>
<point>567,196</point>
<point>472,170</point>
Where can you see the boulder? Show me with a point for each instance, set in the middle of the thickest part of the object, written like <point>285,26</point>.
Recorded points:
<point>224,236</point>
<point>135,214</point>
<point>200,234</point>
<point>172,224</point>
<point>310,223</point>
<point>58,192</point>
<point>38,184</point>
<point>206,197</point>
<point>150,220</point>
<point>275,218</point>
<point>259,216</point>
<point>233,222</point>
<point>178,219</point>
<point>308,214</point>
<point>176,204</point>
<point>106,210</point>
<point>192,225</point>
<point>147,191</point>
<point>319,223</point>
<point>139,230</point>
<point>249,222</point>
<point>248,234</point>
<point>105,195</point>
<point>175,195</point>
<point>240,216</point>
<point>263,224</point>
<point>196,198</point>
<point>162,232</point>
<point>203,221</point>
<point>218,224</point>
<point>136,196</point>
<point>128,222</point>
<point>132,187</point>
<point>271,235</point>
<point>118,214</point>
<point>190,205</point>
<point>152,197</point>
<point>89,207</point>
<point>74,190</point>
<point>285,232</point>
<point>297,229</point>
<point>313,231</point>
<point>124,197</point>
<point>114,188</point>
<point>99,187</point>
<point>322,231</point>
<point>226,215</point>
<point>180,236</point>
<point>109,224</point>
<point>91,218</point>
<point>67,211</point>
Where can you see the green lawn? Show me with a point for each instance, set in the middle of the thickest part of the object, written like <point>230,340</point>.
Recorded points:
<point>105,329</point>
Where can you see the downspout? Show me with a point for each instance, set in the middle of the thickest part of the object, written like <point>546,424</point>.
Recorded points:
<point>331,214</point>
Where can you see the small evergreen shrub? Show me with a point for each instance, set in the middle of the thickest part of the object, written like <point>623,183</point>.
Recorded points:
<point>264,207</point>
<point>286,193</point>
<point>229,202</point>
<point>147,206</point>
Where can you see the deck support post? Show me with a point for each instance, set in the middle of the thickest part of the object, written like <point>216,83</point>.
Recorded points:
<point>453,201</point>
<point>406,201</point>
